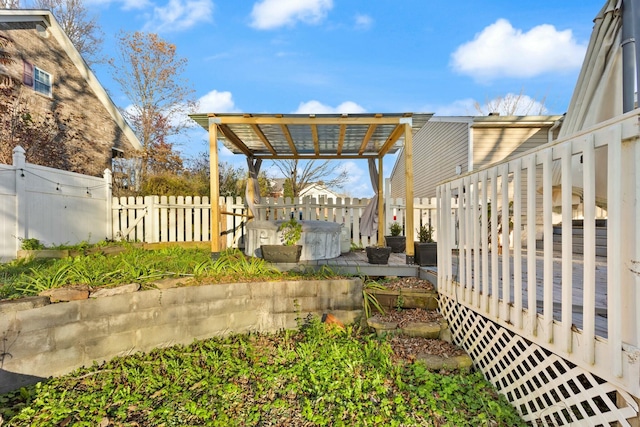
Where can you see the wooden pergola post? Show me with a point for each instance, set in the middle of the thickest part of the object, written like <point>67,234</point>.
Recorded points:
<point>381,218</point>
<point>408,179</point>
<point>214,185</point>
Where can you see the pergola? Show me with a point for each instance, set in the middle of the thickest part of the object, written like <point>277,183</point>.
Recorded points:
<point>314,137</point>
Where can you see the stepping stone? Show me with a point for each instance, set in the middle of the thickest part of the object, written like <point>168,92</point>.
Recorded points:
<point>423,330</point>
<point>67,294</point>
<point>170,282</point>
<point>123,289</point>
<point>436,363</point>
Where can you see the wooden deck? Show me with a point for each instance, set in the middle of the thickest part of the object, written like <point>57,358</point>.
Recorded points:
<point>577,291</point>
<point>355,263</point>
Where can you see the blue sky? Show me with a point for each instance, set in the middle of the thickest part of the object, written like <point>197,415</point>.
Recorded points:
<point>320,56</point>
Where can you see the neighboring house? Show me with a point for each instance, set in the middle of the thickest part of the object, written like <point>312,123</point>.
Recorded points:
<point>47,77</point>
<point>318,190</point>
<point>450,146</point>
<point>315,190</point>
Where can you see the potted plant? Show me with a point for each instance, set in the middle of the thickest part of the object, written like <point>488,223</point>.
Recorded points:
<point>378,254</point>
<point>397,242</point>
<point>289,251</point>
<point>426,250</point>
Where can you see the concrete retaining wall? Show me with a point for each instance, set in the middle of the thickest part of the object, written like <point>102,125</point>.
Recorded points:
<point>56,339</point>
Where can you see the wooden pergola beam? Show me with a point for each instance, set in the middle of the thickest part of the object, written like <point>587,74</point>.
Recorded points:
<point>393,138</point>
<point>367,138</point>
<point>234,139</point>
<point>287,135</point>
<point>378,119</point>
<point>264,139</point>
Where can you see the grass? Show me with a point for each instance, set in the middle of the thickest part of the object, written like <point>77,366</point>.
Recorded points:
<point>25,277</point>
<point>315,376</point>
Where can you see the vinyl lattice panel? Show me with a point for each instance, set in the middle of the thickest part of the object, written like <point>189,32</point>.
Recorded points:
<point>546,389</point>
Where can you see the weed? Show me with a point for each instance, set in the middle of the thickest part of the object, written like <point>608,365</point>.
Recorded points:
<point>369,299</point>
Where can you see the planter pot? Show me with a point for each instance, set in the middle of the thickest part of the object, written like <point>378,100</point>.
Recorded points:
<point>378,254</point>
<point>426,254</point>
<point>398,244</point>
<point>281,253</point>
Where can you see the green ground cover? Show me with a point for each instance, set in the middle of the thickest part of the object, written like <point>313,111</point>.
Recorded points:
<point>24,277</point>
<point>317,375</point>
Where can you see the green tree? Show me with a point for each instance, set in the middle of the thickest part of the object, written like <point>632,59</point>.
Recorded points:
<point>148,71</point>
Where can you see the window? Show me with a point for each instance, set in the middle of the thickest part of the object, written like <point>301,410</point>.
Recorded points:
<point>42,81</point>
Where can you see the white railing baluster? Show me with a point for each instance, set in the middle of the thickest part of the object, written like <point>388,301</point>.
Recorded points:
<point>475,213</point>
<point>517,242</point>
<point>506,227</point>
<point>547,220</point>
<point>532,298</point>
<point>495,296</point>
<point>614,251</point>
<point>468,217</point>
<point>589,278</point>
<point>485,242</point>
<point>462,227</point>
<point>567,247</point>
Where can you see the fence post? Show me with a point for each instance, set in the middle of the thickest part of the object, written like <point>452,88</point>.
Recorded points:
<point>21,196</point>
<point>108,182</point>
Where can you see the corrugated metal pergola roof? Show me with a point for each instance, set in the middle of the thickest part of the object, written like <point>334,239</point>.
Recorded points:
<point>315,136</point>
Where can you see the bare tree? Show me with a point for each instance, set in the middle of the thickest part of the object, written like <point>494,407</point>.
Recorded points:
<point>512,105</point>
<point>300,174</point>
<point>148,71</point>
<point>83,30</point>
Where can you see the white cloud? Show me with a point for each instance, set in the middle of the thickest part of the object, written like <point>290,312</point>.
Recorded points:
<point>217,102</point>
<point>363,22</point>
<point>503,51</point>
<point>358,183</point>
<point>316,107</point>
<point>269,14</point>
<point>179,15</point>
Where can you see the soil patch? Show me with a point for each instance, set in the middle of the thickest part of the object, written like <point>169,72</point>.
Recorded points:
<point>408,283</point>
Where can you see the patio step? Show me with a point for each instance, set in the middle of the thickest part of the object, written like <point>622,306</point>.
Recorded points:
<point>433,331</point>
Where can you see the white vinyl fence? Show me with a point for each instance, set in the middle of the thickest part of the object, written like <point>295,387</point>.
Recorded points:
<point>53,206</point>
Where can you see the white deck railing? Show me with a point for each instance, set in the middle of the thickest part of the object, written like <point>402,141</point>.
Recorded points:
<point>519,294</point>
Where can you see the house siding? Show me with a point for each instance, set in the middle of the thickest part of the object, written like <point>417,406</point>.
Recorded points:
<point>492,145</point>
<point>438,148</point>
<point>95,131</point>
